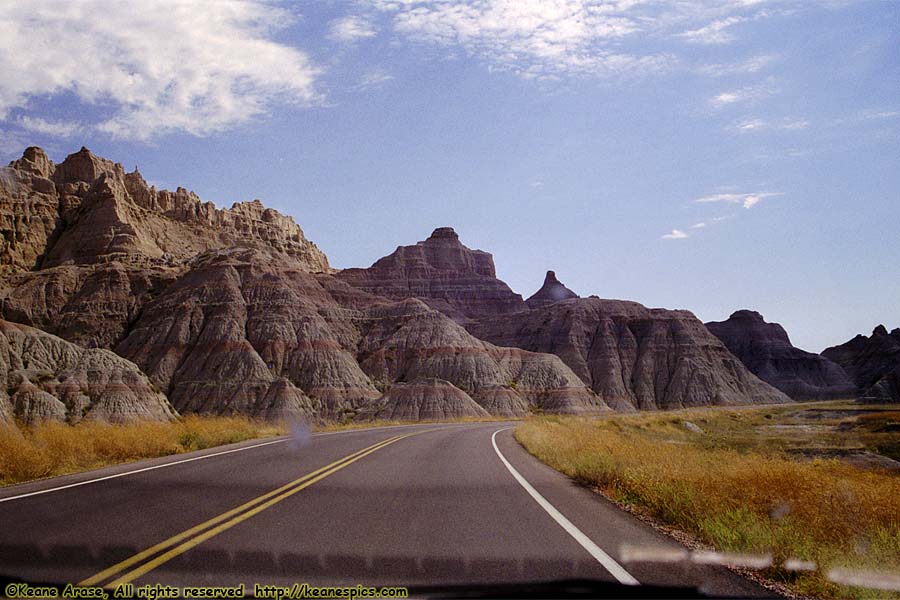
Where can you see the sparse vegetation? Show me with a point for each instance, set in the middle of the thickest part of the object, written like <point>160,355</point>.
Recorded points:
<point>56,448</point>
<point>50,449</point>
<point>767,480</point>
<point>346,425</point>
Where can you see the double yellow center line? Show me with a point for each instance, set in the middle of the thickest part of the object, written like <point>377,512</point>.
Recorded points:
<point>166,550</point>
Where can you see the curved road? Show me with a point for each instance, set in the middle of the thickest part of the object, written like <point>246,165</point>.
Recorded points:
<point>417,505</point>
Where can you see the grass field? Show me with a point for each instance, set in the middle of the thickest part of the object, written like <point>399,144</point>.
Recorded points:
<point>806,481</point>
<point>49,449</point>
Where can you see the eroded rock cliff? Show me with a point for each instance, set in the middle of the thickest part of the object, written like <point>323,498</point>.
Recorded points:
<point>87,210</point>
<point>46,378</point>
<point>249,331</point>
<point>233,310</point>
<point>442,272</point>
<point>873,363</point>
<point>632,356</point>
<point>766,350</point>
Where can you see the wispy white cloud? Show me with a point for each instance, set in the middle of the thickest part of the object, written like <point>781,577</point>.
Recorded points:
<point>751,125</point>
<point>794,124</point>
<point>373,78</point>
<point>676,234</point>
<point>716,32</point>
<point>755,125</point>
<point>746,95</point>
<point>552,39</point>
<point>754,64</point>
<point>540,39</point>
<point>699,225</point>
<point>61,129</point>
<point>880,114</point>
<point>153,68</point>
<point>747,200</point>
<point>351,29</point>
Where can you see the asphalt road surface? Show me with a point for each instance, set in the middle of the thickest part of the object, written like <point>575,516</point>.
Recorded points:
<point>417,505</point>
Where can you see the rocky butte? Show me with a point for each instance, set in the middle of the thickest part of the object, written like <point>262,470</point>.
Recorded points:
<point>182,305</point>
<point>550,293</point>
<point>443,273</point>
<point>766,350</point>
<point>873,363</point>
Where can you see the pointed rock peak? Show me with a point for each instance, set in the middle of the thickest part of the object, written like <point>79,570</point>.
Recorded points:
<point>34,154</point>
<point>34,159</point>
<point>880,330</point>
<point>443,233</point>
<point>85,166</point>
<point>747,314</point>
<point>551,292</point>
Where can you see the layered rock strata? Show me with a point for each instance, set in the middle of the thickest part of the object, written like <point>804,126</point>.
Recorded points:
<point>234,311</point>
<point>872,363</point>
<point>250,332</point>
<point>442,272</point>
<point>46,378</point>
<point>633,356</point>
<point>766,350</point>
<point>424,400</point>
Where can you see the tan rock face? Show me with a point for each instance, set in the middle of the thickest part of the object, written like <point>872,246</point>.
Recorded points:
<point>47,378</point>
<point>86,246</point>
<point>443,273</point>
<point>632,356</point>
<point>87,210</point>
<point>29,211</point>
<point>766,350</point>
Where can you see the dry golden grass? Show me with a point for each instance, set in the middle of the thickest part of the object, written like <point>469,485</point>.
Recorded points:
<point>386,423</point>
<point>735,498</point>
<point>56,448</point>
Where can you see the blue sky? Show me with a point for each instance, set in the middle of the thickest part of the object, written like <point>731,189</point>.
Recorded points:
<point>702,155</point>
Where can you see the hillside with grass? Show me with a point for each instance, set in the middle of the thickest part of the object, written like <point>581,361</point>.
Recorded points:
<point>814,484</point>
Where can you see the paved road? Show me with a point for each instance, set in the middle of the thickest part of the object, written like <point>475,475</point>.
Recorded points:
<point>429,504</point>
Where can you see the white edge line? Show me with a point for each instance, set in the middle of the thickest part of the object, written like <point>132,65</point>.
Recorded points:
<point>615,569</point>
<point>152,468</point>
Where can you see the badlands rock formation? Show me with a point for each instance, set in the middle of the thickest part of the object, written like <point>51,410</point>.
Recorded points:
<point>632,356</point>
<point>234,310</point>
<point>87,210</point>
<point>46,378</point>
<point>424,400</point>
<point>252,332</point>
<point>873,363</point>
<point>443,273</point>
<point>551,292</point>
<point>766,350</point>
